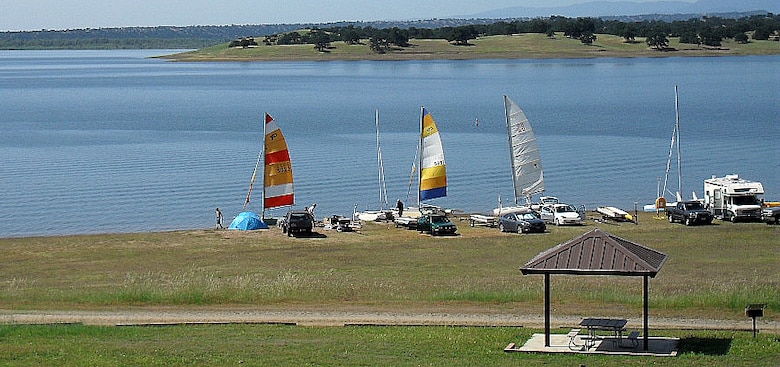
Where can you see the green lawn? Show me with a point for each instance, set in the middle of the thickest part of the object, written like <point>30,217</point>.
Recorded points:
<point>275,345</point>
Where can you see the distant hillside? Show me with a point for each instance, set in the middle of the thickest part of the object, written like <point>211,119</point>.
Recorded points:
<point>196,37</point>
<point>183,37</point>
<point>627,8</point>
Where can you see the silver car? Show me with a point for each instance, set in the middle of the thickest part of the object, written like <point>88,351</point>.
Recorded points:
<point>560,214</point>
<point>521,223</point>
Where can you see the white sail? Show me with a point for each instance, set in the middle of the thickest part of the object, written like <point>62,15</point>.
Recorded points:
<point>527,174</point>
<point>433,169</point>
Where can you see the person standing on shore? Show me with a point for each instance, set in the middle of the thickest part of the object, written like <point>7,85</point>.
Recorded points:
<point>400,206</point>
<point>219,219</point>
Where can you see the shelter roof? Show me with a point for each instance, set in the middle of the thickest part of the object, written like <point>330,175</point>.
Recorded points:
<point>597,253</point>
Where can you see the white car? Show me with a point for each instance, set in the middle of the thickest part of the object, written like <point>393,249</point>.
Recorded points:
<point>560,214</point>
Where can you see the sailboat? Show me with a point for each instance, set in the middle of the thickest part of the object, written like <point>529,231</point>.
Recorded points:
<point>432,178</point>
<point>661,202</point>
<point>276,170</point>
<point>432,172</point>
<point>527,173</point>
<point>381,213</point>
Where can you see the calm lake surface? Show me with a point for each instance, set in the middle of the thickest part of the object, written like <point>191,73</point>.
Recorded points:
<point>115,141</point>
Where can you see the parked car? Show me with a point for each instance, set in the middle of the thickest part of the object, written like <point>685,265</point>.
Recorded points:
<point>771,215</point>
<point>560,214</point>
<point>297,222</point>
<point>435,224</point>
<point>521,223</point>
<point>689,212</point>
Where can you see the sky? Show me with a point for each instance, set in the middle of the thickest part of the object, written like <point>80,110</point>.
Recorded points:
<point>26,15</point>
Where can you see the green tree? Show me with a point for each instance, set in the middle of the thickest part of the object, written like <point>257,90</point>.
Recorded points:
<point>588,38</point>
<point>538,26</point>
<point>320,39</point>
<point>377,45</point>
<point>462,35</point>
<point>710,37</point>
<point>503,28</point>
<point>658,41</point>
<point>762,32</point>
<point>628,33</point>
<point>741,38</point>
<point>291,38</point>
<point>398,37</point>
<point>689,37</point>
<point>575,29</point>
<point>350,35</point>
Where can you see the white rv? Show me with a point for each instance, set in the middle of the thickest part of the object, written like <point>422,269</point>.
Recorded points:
<point>732,198</point>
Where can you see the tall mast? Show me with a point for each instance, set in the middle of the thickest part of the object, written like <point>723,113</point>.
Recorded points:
<point>262,205</point>
<point>411,173</point>
<point>420,162</point>
<point>382,185</point>
<point>511,153</point>
<point>677,128</point>
<point>252,181</point>
<point>675,140</point>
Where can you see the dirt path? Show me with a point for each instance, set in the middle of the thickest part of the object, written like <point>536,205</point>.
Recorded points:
<point>337,318</point>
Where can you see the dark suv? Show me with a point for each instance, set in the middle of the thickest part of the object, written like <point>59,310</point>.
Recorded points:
<point>298,222</point>
<point>435,224</point>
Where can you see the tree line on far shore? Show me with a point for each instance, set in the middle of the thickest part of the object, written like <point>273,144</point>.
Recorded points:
<point>708,31</point>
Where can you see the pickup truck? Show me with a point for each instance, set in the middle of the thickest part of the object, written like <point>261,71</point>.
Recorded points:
<point>771,215</point>
<point>689,212</point>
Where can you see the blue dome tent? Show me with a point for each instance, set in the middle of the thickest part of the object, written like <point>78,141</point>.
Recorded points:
<point>247,221</point>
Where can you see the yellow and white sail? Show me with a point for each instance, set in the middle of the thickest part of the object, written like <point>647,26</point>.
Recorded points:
<point>433,169</point>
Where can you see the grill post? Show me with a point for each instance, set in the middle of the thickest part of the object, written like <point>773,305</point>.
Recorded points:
<point>753,311</point>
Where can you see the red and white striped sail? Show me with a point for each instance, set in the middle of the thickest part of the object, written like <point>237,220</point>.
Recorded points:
<point>278,182</point>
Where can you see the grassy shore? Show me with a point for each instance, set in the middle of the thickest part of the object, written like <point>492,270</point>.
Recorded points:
<point>522,46</point>
<point>712,273</point>
<point>279,345</point>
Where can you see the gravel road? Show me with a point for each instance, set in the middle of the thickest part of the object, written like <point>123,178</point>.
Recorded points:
<point>338,318</point>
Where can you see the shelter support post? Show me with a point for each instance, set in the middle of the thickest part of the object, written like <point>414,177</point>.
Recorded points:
<point>546,309</point>
<point>645,325</point>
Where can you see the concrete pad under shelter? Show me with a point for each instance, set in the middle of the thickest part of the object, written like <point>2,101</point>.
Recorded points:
<point>559,343</point>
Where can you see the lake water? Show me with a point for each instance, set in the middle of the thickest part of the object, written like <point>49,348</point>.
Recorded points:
<point>114,141</point>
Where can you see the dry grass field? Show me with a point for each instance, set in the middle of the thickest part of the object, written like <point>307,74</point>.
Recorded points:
<point>712,271</point>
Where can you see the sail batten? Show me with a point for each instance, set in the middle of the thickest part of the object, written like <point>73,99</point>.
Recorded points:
<point>433,169</point>
<point>527,173</point>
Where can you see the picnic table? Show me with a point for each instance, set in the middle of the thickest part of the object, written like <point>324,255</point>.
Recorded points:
<point>616,326</point>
